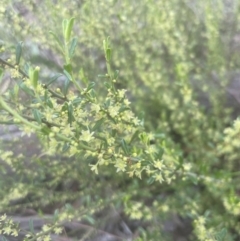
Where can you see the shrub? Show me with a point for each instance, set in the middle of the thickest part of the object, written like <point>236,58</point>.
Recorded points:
<point>126,128</point>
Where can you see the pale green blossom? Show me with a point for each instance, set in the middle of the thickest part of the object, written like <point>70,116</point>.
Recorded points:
<point>86,136</point>
<point>159,177</point>
<point>113,111</point>
<point>58,230</point>
<point>159,164</point>
<point>126,102</point>
<point>94,168</point>
<point>95,107</point>
<point>121,93</point>
<point>3,217</point>
<point>120,165</point>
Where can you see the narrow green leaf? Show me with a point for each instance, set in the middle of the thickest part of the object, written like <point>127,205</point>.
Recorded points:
<point>98,124</point>
<point>124,146</point>
<point>33,76</point>
<point>108,54</point>
<point>70,114</point>
<point>68,29</point>
<point>76,101</point>
<point>16,90</point>
<point>49,103</point>
<point>107,49</point>
<point>150,180</point>
<point>27,90</point>
<point>123,108</point>
<point>102,76</point>
<point>160,153</point>
<point>37,116</point>
<point>72,47</point>
<point>90,86</point>
<point>90,219</point>
<point>67,74</point>
<point>60,45</point>
<point>107,103</point>
<point>56,215</point>
<point>64,27</point>
<point>65,147</point>
<point>26,67</point>
<point>3,238</point>
<point>53,79</point>
<point>116,74</point>
<point>108,85</point>
<point>66,86</point>
<point>18,52</point>
<point>68,68</point>
<point>69,207</point>
<point>134,136</point>
<point>31,228</point>
<point>83,76</point>
<point>45,130</point>
<point>221,235</point>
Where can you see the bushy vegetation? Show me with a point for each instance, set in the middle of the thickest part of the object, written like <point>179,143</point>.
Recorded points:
<point>129,102</point>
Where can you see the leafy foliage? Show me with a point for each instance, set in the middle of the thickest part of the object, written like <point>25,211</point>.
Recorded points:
<point>124,127</point>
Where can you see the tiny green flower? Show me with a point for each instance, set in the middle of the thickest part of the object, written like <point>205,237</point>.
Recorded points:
<point>86,136</point>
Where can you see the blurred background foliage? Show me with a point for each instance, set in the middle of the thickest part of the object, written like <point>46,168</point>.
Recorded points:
<point>179,61</point>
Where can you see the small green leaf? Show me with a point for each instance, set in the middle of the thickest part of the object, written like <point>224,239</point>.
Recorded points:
<point>53,79</point>
<point>123,108</point>
<point>102,76</point>
<point>26,67</point>
<point>68,29</point>
<point>64,27</point>
<point>49,103</point>
<point>70,114</point>
<point>65,147</point>
<point>3,238</point>
<point>193,177</point>
<point>69,207</point>
<point>45,130</point>
<point>56,215</point>
<point>98,124</point>
<point>124,147</point>
<point>33,76</point>
<point>16,90</point>
<point>27,90</point>
<point>37,115</point>
<point>76,101</point>
<point>90,219</point>
<point>83,76</point>
<point>107,49</point>
<point>116,74</point>
<point>134,136</point>
<point>160,153</point>
<point>90,86</point>
<point>108,85</point>
<point>31,227</point>
<point>18,52</point>
<point>66,86</point>
<point>68,68</point>
<point>60,45</point>
<point>67,74</point>
<point>72,47</point>
<point>221,235</point>
<point>108,54</point>
<point>151,180</point>
<point>107,103</point>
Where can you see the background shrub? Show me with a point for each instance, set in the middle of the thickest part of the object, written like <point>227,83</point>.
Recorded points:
<point>175,160</point>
